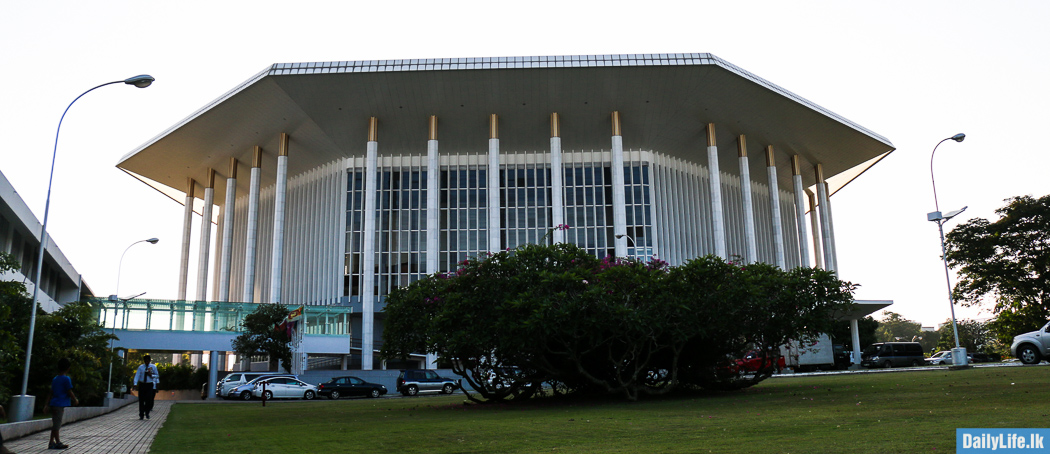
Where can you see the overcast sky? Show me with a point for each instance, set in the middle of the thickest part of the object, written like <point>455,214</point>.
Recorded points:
<point>914,72</point>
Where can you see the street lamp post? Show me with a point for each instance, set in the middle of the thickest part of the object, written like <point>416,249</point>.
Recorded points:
<point>635,243</point>
<point>958,353</point>
<point>113,328</point>
<point>22,405</point>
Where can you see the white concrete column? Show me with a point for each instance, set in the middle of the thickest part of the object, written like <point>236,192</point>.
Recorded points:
<point>213,373</point>
<point>184,251</point>
<point>751,253</point>
<point>248,296</point>
<point>494,187</point>
<point>825,221</point>
<point>619,198</point>
<point>855,332</point>
<point>814,226</point>
<point>204,256</point>
<point>226,255</point>
<point>557,186</point>
<point>800,208</point>
<point>216,264</point>
<point>831,230</point>
<point>277,263</point>
<point>718,223</point>
<point>774,204</point>
<point>368,250</point>
<point>433,210</point>
<point>433,199</point>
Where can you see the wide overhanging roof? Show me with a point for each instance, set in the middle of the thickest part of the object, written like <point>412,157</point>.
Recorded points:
<point>664,101</point>
<point>863,308</point>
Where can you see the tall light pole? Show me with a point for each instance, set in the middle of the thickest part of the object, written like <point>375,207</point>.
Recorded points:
<point>635,243</point>
<point>116,297</point>
<point>22,405</point>
<point>958,353</point>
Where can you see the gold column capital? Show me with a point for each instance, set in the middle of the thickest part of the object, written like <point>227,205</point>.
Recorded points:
<point>256,157</point>
<point>493,126</point>
<point>555,125</point>
<point>711,139</point>
<point>796,164</point>
<point>741,146</point>
<point>233,168</point>
<point>432,126</point>
<point>190,186</point>
<point>771,160</point>
<point>211,179</point>
<point>616,131</point>
<point>820,172</point>
<point>373,129</point>
<point>282,149</point>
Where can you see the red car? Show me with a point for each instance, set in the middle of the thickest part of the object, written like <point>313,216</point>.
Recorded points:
<point>753,361</point>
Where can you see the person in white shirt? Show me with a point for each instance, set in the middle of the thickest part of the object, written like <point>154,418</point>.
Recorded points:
<point>146,379</point>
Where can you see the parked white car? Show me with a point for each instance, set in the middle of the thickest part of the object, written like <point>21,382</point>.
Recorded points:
<point>277,388</point>
<point>225,387</point>
<point>944,358</point>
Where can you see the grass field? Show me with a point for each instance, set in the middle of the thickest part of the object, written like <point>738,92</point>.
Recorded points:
<point>914,411</point>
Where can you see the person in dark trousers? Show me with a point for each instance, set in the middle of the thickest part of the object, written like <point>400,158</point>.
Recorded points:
<point>146,379</point>
<point>60,397</point>
<point>3,450</point>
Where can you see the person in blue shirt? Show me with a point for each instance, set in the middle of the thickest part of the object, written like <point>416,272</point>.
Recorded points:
<point>60,397</point>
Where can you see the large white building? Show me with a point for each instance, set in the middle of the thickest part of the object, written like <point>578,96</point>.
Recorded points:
<point>20,237</point>
<point>332,183</point>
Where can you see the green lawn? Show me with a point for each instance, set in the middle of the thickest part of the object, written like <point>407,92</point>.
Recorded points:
<point>858,413</point>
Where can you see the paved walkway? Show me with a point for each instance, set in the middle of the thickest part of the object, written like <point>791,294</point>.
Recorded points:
<point>117,432</point>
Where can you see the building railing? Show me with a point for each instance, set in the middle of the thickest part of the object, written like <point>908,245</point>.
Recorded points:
<point>207,316</point>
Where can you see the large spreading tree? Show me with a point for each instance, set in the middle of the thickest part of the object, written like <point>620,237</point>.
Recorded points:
<point>513,321</point>
<point>1008,262</point>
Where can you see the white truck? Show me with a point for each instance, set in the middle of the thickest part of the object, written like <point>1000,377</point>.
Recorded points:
<point>816,353</point>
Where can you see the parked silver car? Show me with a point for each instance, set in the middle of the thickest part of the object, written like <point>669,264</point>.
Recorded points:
<point>244,391</point>
<point>1033,347</point>
<point>278,388</point>
<point>944,358</point>
<point>224,388</point>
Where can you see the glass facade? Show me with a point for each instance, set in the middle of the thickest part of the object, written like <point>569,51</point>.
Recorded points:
<point>464,214</point>
<point>525,203</point>
<point>401,221</point>
<point>525,213</point>
<point>163,315</point>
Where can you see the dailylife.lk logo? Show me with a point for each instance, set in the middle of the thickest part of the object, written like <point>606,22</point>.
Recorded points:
<point>973,441</point>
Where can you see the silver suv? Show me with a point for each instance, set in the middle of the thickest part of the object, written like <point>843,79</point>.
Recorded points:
<point>414,381</point>
<point>1033,347</point>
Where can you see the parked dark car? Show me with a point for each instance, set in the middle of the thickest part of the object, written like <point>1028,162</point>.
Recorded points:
<point>414,381</point>
<point>893,354</point>
<point>349,386</point>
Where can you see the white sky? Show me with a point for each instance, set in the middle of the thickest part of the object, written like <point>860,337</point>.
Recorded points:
<point>915,72</point>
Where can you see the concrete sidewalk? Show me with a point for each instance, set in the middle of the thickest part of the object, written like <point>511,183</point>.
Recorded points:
<point>116,432</point>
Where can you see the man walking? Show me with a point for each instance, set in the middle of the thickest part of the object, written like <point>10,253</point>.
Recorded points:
<point>146,379</point>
